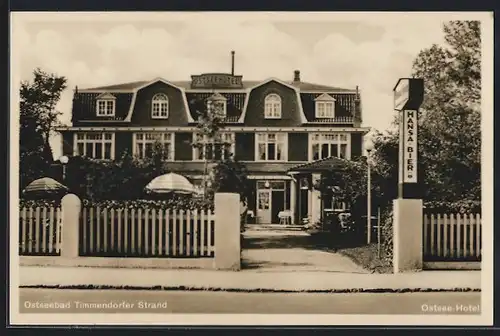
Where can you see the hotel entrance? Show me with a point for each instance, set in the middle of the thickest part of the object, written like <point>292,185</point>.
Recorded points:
<point>271,200</point>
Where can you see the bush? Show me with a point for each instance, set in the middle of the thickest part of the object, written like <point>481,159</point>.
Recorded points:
<point>462,206</point>
<point>173,203</point>
<point>41,202</point>
<point>386,220</point>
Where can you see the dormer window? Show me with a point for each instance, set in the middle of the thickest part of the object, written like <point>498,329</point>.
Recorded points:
<point>217,103</point>
<point>159,106</point>
<point>272,106</point>
<point>105,106</point>
<point>325,106</point>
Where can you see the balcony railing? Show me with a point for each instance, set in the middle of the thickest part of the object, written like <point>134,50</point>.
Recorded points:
<point>232,119</point>
<point>336,120</point>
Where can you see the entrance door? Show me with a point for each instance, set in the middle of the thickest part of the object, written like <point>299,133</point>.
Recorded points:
<point>264,206</point>
<point>277,204</point>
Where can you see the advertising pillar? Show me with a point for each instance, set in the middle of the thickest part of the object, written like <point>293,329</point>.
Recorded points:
<point>408,207</point>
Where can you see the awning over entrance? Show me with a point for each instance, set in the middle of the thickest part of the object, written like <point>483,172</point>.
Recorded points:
<point>324,165</point>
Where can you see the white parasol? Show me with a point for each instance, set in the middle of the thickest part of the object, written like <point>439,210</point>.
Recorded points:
<point>170,183</point>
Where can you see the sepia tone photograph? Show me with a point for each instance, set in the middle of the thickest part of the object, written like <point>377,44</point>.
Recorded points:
<point>251,168</point>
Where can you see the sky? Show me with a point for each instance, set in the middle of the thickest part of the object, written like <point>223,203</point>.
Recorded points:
<point>370,50</point>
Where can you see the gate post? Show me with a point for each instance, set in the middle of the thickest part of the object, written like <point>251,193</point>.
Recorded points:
<point>227,231</point>
<point>70,242</point>
<point>407,235</point>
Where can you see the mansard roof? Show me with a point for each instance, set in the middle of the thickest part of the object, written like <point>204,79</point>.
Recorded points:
<point>237,98</point>
<point>302,86</point>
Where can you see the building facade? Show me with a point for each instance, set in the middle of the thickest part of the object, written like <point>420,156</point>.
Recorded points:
<point>273,125</point>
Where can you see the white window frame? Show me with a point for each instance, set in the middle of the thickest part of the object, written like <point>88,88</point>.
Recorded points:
<point>264,137</point>
<point>160,100</point>
<point>325,109</point>
<point>106,102</point>
<point>207,142</point>
<point>272,106</point>
<point>143,138</point>
<point>333,204</point>
<point>337,138</point>
<point>83,138</point>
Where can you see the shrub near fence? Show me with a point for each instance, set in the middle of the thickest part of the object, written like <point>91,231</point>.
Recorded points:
<point>452,237</point>
<point>146,231</point>
<point>40,229</point>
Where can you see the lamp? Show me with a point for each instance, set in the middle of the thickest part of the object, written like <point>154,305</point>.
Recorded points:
<point>304,184</point>
<point>368,148</point>
<point>267,184</point>
<point>64,160</point>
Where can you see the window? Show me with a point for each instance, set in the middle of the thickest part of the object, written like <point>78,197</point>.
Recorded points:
<point>272,105</point>
<point>213,149</point>
<point>271,146</point>
<point>217,104</point>
<point>325,106</point>
<point>325,145</point>
<point>106,108</point>
<point>95,145</point>
<point>106,105</point>
<point>159,106</point>
<point>145,142</point>
<point>335,204</point>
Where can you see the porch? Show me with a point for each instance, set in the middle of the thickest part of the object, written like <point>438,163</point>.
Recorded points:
<point>293,199</point>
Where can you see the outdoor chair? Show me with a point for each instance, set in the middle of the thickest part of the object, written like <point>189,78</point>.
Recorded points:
<point>285,217</point>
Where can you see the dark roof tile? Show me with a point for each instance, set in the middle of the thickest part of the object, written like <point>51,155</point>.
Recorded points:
<point>323,165</point>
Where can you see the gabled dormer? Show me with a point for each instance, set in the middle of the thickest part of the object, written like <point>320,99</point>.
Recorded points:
<point>217,103</point>
<point>325,106</point>
<point>105,105</point>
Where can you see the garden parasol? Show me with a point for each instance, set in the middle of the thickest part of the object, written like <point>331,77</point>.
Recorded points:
<point>45,185</point>
<point>170,183</point>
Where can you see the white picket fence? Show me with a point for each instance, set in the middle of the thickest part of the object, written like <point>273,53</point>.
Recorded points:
<point>452,237</point>
<point>145,232</point>
<point>40,230</point>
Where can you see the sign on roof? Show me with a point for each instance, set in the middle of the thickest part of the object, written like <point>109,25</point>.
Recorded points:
<point>216,80</point>
<point>408,94</point>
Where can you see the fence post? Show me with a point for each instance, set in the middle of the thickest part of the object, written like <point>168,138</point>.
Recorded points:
<point>227,231</point>
<point>70,208</point>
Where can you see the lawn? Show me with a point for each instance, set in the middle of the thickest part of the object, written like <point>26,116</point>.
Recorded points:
<point>367,257</point>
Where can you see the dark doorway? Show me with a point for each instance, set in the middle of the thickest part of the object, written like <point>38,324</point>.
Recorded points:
<point>277,204</point>
<point>303,205</point>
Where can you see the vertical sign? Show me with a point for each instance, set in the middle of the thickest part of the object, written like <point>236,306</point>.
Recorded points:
<point>408,96</point>
<point>410,157</point>
<point>401,145</point>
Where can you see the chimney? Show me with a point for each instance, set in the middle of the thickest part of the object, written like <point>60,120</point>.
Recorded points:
<point>232,62</point>
<point>296,76</point>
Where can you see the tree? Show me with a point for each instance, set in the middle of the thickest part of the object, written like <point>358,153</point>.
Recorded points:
<point>210,113</point>
<point>230,175</point>
<point>38,117</point>
<point>449,121</point>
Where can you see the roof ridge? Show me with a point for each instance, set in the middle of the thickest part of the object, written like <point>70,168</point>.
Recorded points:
<point>321,87</point>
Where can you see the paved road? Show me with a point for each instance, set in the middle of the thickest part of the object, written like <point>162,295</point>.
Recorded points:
<point>133,301</point>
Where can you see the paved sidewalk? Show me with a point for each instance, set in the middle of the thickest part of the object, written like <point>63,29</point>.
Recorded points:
<point>247,280</point>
